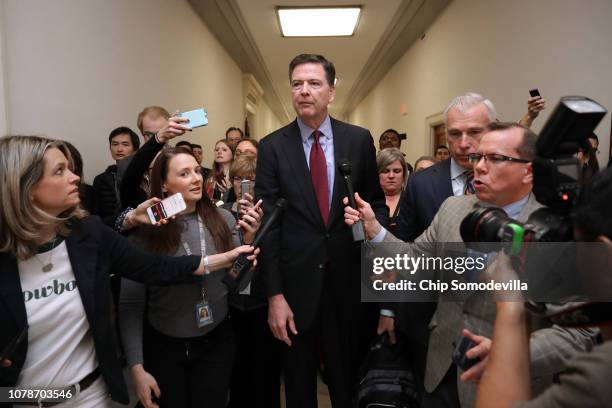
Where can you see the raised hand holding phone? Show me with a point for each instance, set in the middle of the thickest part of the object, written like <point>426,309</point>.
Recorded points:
<point>166,208</point>
<point>195,118</point>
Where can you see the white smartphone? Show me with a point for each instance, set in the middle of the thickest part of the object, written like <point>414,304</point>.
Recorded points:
<point>166,208</point>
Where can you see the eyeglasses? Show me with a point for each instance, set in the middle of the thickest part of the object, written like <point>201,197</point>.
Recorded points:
<point>474,158</point>
<point>239,179</point>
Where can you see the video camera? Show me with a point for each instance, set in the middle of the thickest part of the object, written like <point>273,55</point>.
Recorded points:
<point>557,182</point>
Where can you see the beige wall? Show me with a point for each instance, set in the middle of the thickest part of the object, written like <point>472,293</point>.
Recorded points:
<point>3,117</point>
<point>265,121</point>
<point>500,49</point>
<point>76,69</point>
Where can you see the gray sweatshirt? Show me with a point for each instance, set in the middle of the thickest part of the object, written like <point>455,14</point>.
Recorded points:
<point>171,309</point>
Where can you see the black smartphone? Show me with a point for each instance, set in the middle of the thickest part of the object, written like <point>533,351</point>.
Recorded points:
<point>9,350</point>
<point>534,92</point>
<point>459,357</point>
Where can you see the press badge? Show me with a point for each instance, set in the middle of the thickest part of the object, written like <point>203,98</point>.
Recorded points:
<point>203,312</point>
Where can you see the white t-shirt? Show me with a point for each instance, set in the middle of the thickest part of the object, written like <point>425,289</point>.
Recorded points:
<point>60,345</point>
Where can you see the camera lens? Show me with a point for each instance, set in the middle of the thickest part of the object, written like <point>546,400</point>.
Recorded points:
<point>484,225</point>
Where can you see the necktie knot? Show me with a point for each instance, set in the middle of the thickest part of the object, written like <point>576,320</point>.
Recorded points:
<point>469,182</point>
<point>315,135</point>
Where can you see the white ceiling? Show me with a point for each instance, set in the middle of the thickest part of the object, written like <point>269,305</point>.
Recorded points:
<point>250,32</point>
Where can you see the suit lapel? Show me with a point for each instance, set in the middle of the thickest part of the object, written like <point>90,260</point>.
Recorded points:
<point>83,253</point>
<point>10,289</point>
<point>442,185</point>
<point>340,152</point>
<point>294,151</point>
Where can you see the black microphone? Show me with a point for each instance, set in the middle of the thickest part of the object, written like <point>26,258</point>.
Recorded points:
<point>345,169</point>
<point>240,274</point>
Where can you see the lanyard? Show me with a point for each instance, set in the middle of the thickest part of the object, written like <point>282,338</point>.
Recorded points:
<point>202,251</point>
<point>202,240</point>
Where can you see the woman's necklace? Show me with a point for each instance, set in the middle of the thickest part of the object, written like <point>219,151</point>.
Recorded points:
<point>48,266</point>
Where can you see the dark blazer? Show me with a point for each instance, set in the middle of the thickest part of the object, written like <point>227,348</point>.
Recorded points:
<point>425,193</point>
<point>300,254</point>
<point>94,251</point>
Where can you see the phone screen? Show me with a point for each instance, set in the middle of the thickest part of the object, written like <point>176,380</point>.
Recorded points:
<point>158,212</point>
<point>166,208</point>
<point>534,92</point>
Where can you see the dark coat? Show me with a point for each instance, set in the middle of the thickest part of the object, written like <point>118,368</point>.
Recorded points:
<point>106,191</point>
<point>424,194</point>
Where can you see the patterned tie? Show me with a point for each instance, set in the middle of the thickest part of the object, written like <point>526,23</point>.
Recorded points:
<point>318,175</point>
<point>469,182</point>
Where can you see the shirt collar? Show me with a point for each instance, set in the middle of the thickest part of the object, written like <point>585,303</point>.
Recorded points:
<point>455,169</point>
<point>514,209</point>
<point>306,131</point>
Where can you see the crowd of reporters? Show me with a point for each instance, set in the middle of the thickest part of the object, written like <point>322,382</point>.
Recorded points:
<point>231,357</point>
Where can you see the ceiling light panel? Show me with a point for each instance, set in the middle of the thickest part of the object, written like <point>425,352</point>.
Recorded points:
<point>318,21</point>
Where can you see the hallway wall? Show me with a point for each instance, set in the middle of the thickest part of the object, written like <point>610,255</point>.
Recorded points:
<point>77,69</point>
<point>500,49</point>
<point>266,121</point>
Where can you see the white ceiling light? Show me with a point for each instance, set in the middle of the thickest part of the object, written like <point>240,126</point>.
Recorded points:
<point>318,21</point>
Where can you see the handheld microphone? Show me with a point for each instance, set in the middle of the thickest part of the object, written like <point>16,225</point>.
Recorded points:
<point>345,169</point>
<point>240,274</point>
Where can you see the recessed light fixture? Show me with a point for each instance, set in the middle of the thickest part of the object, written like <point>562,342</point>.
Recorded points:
<point>318,21</point>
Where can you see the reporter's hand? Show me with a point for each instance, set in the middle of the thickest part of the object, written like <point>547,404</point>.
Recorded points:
<point>364,212</point>
<point>387,324</point>
<point>6,363</point>
<point>249,220</point>
<point>138,216</point>
<point>175,127</point>
<point>242,249</point>
<point>535,105</point>
<point>280,317</point>
<point>481,350</point>
<point>145,384</point>
<point>225,185</point>
<point>502,271</point>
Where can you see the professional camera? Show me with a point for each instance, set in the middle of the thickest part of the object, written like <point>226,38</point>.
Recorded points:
<point>557,182</point>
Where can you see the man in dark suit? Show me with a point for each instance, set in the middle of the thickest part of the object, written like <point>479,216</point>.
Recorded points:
<point>466,119</point>
<point>309,261</point>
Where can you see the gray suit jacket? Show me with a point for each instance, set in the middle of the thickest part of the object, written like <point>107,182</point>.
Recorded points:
<point>549,347</point>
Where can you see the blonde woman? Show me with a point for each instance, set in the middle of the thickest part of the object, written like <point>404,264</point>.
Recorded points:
<point>55,264</point>
<point>392,176</point>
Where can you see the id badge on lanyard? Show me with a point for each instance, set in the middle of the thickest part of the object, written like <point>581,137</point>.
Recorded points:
<point>203,310</point>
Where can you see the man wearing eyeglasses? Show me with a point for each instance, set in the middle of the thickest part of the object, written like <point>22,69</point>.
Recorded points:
<point>502,178</point>
<point>466,118</point>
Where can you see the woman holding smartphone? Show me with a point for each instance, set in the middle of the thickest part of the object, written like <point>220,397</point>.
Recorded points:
<point>183,358</point>
<point>218,186</point>
<point>55,264</point>
<point>257,370</point>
